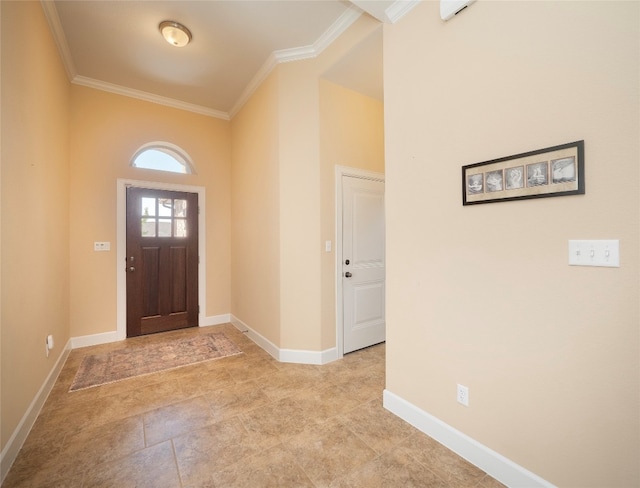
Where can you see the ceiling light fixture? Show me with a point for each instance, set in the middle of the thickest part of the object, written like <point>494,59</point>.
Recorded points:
<point>174,33</point>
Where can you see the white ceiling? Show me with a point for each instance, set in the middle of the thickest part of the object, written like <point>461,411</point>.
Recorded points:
<point>116,46</point>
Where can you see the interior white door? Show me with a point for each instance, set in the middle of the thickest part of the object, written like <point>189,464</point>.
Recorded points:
<point>363,262</point>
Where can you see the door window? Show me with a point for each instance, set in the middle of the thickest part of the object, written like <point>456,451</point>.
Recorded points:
<point>163,217</point>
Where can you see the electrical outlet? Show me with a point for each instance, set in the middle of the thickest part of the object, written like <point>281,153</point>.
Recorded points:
<point>463,395</point>
<point>48,344</point>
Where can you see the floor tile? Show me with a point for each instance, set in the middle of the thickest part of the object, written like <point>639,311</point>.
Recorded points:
<point>446,464</point>
<point>202,452</point>
<point>274,468</point>
<point>240,421</point>
<point>170,421</point>
<point>100,444</point>
<point>151,467</point>
<point>249,369</point>
<point>324,402</point>
<point>281,419</point>
<point>377,427</point>
<point>329,451</point>
<point>289,379</point>
<point>236,399</point>
<point>393,469</point>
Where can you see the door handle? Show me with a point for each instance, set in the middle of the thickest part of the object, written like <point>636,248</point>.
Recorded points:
<point>348,274</point>
<point>130,269</point>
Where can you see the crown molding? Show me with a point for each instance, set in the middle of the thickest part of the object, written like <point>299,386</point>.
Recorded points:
<point>336,29</point>
<point>343,22</point>
<point>51,14</point>
<point>399,9</point>
<point>149,97</point>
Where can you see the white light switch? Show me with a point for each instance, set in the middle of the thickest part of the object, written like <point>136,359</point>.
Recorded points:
<point>102,246</point>
<point>327,246</point>
<point>595,253</point>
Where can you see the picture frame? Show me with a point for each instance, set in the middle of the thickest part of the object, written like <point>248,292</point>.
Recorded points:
<point>550,172</point>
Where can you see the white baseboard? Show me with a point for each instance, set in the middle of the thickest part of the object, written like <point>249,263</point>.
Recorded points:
<point>13,446</point>
<point>492,463</point>
<point>286,355</point>
<point>216,320</point>
<point>94,339</point>
<point>107,337</point>
<point>308,357</point>
<point>259,339</point>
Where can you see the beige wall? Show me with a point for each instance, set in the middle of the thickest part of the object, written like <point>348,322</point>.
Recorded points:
<point>35,207</point>
<point>352,135</point>
<point>107,130</point>
<point>299,206</point>
<point>483,295</point>
<point>278,133</point>
<point>255,255</point>
<point>301,199</point>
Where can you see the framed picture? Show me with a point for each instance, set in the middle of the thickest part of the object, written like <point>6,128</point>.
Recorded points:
<point>551,172</point>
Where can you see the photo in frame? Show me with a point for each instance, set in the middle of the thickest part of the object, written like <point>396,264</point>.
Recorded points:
<point>550,172</point>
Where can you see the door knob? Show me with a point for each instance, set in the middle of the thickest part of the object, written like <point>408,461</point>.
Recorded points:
<point>131,269</point>
<point>348,274</point>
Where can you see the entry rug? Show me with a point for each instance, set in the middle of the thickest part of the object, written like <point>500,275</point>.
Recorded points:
<point>100,369</point>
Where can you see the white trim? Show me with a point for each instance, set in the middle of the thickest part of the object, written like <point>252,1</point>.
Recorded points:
<point>356,173</point>
<point>216,320</point>
<point>491,462</point>
<point>121,245</point>
<point>149,97</point>
<point>308,357</point>
<point>94,339</point>
<point>16,441</point>
<point>285,355</point>
<point>328,355</point>
<point>256,337</point>
<point>296,54</point>
<point>253,85</point>
<point>107,337</point>
<point>334,31</point>
<point>399,9</point>
<point>51,14</point>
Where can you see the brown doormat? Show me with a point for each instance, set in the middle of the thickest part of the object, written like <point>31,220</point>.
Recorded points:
<point>100,369</point>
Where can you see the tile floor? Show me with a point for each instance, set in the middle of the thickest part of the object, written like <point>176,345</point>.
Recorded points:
<point>241,421</point>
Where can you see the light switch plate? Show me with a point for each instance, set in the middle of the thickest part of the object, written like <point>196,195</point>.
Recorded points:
<point>102,246</point>
<point>604,253</point>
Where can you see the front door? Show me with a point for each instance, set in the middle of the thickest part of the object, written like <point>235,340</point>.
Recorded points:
<point>161,261</point>
<point>363,266</point>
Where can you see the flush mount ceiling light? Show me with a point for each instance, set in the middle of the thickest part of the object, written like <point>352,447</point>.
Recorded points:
<point>174,33</point>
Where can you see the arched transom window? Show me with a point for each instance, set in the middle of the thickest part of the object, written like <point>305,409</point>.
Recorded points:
<point>163,156</point>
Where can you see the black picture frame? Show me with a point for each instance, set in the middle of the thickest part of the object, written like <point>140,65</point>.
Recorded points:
<point>550,172</point>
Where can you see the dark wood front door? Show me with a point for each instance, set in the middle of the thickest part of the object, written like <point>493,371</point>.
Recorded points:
<point>162,260</point>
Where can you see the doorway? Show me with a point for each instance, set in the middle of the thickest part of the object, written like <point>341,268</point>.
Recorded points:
<point>161,260</point>
<point>360,246</point>
<point>122,260</point>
